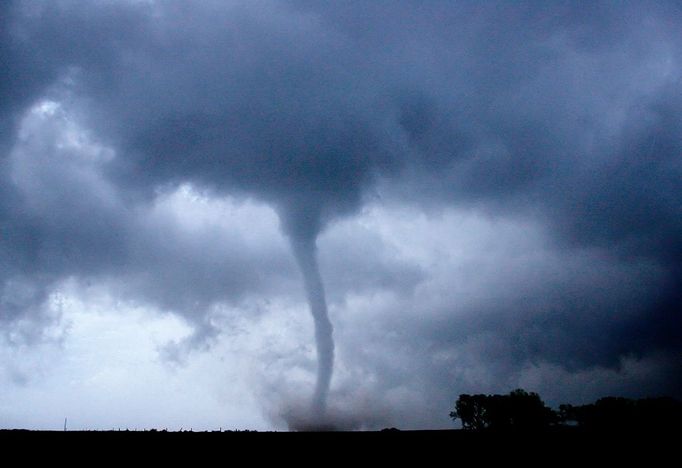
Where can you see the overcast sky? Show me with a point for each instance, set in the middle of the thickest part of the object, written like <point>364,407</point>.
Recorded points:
<point>494,189</point>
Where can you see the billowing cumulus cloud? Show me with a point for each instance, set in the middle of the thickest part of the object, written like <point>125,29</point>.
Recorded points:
<point>489,192</point>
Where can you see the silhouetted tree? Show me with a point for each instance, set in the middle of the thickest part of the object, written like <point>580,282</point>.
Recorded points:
<point>517,410</point>
<point>528,411</point>
<point>567,414</point>
<point>470,409</point>
<point>615,413</point>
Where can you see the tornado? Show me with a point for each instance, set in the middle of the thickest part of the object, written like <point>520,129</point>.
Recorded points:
<point>305,252</point>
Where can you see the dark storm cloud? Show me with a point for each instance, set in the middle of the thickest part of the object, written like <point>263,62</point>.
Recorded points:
<point>62,219</point>
<point>563,113</point>
<point>552,109</point>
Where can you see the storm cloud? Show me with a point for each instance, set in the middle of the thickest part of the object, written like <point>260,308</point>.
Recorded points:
<point>493,190</point>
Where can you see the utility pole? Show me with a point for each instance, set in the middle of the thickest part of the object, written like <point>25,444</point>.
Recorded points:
<point>64,424</point>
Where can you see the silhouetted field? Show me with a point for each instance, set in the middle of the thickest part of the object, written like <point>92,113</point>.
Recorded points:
<point>556,445</point>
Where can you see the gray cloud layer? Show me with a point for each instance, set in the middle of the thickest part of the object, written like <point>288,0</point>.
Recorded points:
<point>564,115</point>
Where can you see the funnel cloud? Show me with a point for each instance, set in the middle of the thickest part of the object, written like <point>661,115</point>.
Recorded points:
<point>490,191</point>
<point>305,252</point>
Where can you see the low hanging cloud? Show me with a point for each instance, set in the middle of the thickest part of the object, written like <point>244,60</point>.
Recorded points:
<point>492,191</point>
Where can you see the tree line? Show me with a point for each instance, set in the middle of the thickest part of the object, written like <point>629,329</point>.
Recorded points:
<point>524,410</point>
